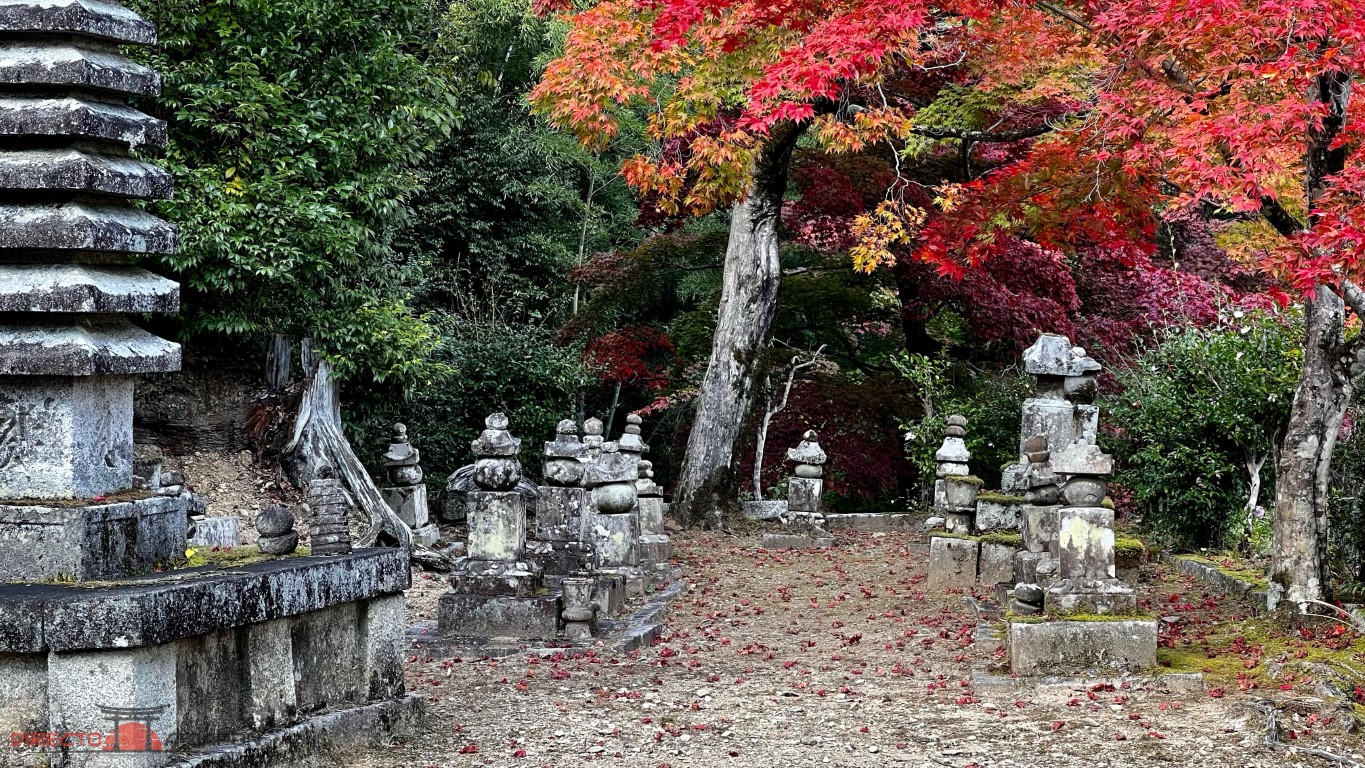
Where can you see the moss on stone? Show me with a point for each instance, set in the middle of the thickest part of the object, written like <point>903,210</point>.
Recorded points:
<point>1107,503</point>
<point>1238,571</point>
<point>951,535</point>
<point>1127,546</point>
<point>1005,538</point>
<point>1042,618</point>
<point>994,497</point>
<point>968,479</point>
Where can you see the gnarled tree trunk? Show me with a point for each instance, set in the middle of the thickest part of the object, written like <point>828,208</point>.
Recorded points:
<point>748,300</point>
<point>1299,544</point>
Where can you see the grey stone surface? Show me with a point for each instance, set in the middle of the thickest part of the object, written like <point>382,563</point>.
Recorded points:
<point>559,513</point>
<point>527,618</point>
<point>652,515</point>
<point>85,288</point>
<point>610,594</point>
<point>1091,597</point>
<point>935,523</point>
<point>1039,526</point>
<point>98,541</point>
<point>1082,459</point>
<point>803,494</point>
<point>953,451</point>
<point>88,18</point>
<point>1063,423</point>
<point>997,516</point>
<point>64,438</point>
<point>74,64</point>
<point>956,522</point>
<point>497,525</point>
<point>328,735</point>
<point>209,704</point>
<point>23,693</point>
<point>325,650</point>
<point>1086,543</point>
<point>82,226</point>
<point>960,494</point>
<point>952,563</point>
<point>78,117</point>
<point>1082,647</point>
<point>1026,566</point>
<point>79,171</point>
<point>871,522</point>
<point>79,683</point>
<point>996,564</point>
<point>615,537</point>
<point>329,506</point>
<point>1053,355</point>
<point>764,510</point>
<point>455,501</point>
<point>152,609</point>
<point>409,502</point>
<point>270,701</point>
<point>382,634</point>
<point>1029,593</point>
<point>279,545</point>
<point>112,347</point>
<point>808,451</point>
<point>275,520</point>
<point>216,532</point>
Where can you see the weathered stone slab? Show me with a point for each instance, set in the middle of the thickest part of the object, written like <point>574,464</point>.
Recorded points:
<point>85,288</point>
<point>952,562</point>
<point>383,639</point>
<point>23,693</point>
<point>90,542</point>
<point>209,703</point>
<point>997,516</point>
<point>764,510</point>
<point>872,522</point>
<point>325,648</point>
<point>559,513</point>
<point>65,438</point>
<point>795,541</point>
<point>217,532</point>
<point>1039,526</point>
<point>58,64</point>
<point>803,494</point>
<point>79,118</point>
<point>270,701</point>
<point>80,684</point>
<point>1086,543</point>
<point>1082,647</point>
<point>88,18</point>
<point>616,537</point>
<point>497,525</point>
<point>996,564</point>
<point>527,618</point>
<point>108,348</point>
<point>1091,597</point>
<point>610,594</point>
<point>151,610</point>
<point>74,170</point>
<point>409,502</point>
<point>651,516</point>
<point>80,226</point>
<point>1061,421</point>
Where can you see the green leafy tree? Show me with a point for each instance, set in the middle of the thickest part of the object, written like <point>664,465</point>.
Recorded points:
<point>1197,422</point>
<point>297,129</point>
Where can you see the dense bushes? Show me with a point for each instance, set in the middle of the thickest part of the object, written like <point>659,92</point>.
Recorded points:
<point>1196,415</point>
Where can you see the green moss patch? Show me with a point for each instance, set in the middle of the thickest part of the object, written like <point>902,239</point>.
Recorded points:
<point>1042,618</point>
<point>951,535</point>
<point>1005,538</point>
<point>1127,546</point>
<point>968,479</point>
<point>1232,568</point>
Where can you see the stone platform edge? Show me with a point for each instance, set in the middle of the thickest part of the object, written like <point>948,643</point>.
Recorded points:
<point>160,608</point>
<point>1260,598</point>
<point>328,733</point>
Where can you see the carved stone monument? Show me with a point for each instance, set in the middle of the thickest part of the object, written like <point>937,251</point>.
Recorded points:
<point>406,494</point>
<point>805,489</point>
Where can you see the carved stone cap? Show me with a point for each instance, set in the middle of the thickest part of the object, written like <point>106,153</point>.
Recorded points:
<point>809,451</point>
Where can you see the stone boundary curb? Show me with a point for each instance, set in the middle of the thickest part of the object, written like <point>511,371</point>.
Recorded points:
<point>1258,597</point>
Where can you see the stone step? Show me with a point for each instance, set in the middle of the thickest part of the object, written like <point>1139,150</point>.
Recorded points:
<point>88,18</point>
<point>80,226</point>
<point>79,118</point>
<point>113,348</point>
<point>85,288</point>
<point>73,170</point>
<point>55,64</point>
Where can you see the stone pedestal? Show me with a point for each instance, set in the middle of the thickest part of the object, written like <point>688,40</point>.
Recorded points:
<point>44,542</point>
<point>409,502</point>
<point>1080,647</point>
<point>952,563</point>
<point>655,545</point>
<point>492,616</point>
<point>803,494</point>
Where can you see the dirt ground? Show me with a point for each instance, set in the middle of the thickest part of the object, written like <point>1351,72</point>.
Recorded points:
<point>838,658</point>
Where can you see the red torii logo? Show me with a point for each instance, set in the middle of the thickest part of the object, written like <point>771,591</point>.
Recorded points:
<point>132,730</point>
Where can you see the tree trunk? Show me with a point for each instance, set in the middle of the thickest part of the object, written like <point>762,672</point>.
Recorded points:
<point>708,483</point>
<point>279,362</point>
<point>1299,544</point>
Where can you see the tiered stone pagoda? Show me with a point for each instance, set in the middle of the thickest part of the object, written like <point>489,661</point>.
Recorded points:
<point>223,665</point>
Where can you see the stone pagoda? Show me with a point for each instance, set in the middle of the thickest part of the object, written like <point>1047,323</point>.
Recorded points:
<point>1060,409</point>
<point>805,489</point>
<point>406,494</point>
<point>216,664</point>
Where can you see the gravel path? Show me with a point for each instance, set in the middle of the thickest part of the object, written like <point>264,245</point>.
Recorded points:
<point>795,659</point>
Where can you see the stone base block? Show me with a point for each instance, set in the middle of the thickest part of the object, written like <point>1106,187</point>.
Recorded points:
<point>795,541</point>
<point>651,515</point>
<point>997,516</point>
<point>952,563</point>
<point>496,577</point>
<point>1039,525</point>
<point>559,513</point>
<point>616,538</point>
<point>1085,542</point>
<point>764,510</point>
<point>610,594</point>
<point>634,578</point>
<point>427,535</point>
<point>803,494</point>
<point>655,550</point>
<point>409,502</point>
<point>873,522</point>
<point>957,522</point>
<point>1082,647</point>
<point>97,541</point>
<point>1103,597</point>
<point>497,524</point>
<point>996,565</point>
<point>217,532</point>
<point>66,437</point>
<point>526,618</point>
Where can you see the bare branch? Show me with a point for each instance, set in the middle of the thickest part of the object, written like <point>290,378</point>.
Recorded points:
<point>1354,295</point>
<point>1060,12</point>
<point>932,132</point>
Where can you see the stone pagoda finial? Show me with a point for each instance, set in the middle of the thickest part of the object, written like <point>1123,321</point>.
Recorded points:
<point>402,459</point>
<point>631,443</point>
<point>68,224</point>
<point>593,438</point>
<point>612,480</point>
<point>496,468</point>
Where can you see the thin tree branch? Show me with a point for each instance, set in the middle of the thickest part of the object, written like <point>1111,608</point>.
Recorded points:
<point>1060,12</point>
<point>1283,221</point>
<point>933,132</point>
